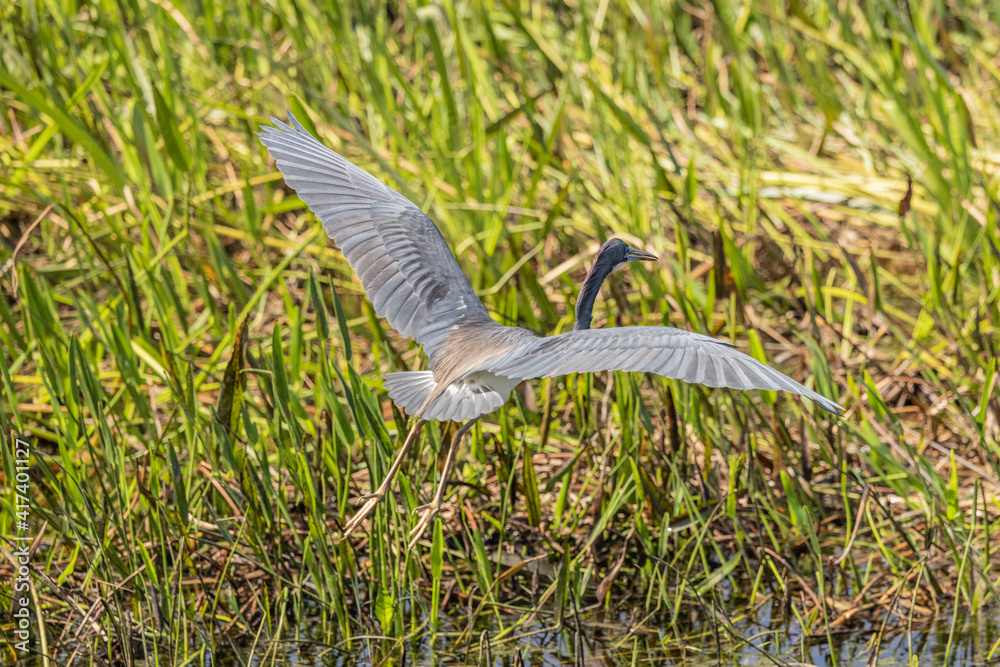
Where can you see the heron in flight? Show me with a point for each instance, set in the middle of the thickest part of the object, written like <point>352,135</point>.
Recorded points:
<point>413,280</point>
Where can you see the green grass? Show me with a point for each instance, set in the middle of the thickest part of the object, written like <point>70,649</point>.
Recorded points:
<point>188,481</point>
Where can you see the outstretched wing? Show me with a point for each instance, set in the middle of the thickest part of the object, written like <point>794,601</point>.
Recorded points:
<point>674,353</point>
<point>407,270</point>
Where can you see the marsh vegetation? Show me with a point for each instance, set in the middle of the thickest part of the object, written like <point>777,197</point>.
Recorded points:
<point>199,373</point>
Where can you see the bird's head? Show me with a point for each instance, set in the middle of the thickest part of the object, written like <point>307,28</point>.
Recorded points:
<point>615,254</point>
<point>612,256</point>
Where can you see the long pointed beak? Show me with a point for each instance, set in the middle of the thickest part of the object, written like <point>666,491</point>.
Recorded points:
<point>641,255</point>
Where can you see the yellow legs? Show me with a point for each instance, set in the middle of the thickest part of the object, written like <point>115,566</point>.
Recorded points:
<point>370,501</point>
<point>431,510</point>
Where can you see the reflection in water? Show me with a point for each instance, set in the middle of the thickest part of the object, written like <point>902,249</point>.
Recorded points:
<point>606,640</point>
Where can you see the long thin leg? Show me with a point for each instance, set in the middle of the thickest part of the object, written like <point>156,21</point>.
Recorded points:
<point>430,511</point>
<point>371,500</point>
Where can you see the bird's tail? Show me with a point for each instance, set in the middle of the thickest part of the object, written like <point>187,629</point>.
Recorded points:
<point>410,390</point>
<point>415,392</point>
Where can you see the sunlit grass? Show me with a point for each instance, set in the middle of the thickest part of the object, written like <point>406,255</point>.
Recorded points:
<point>192,482</point>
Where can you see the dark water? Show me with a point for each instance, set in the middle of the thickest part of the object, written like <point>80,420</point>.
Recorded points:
<point>606,640</point>
<point>623,639</point>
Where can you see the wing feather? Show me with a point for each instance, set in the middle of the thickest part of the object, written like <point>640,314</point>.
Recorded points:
<point>672,366</point>
<point>405,266</point>
<point>674,353</point>
<point>384,293</point>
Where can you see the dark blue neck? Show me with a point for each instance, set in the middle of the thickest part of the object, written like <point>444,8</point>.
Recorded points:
<point>588,293</point>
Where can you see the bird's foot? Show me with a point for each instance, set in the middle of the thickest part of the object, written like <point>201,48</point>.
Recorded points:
<point>362,500</point>
<point>423,508</point>
<point>369,503</point>
<point>427,514</point>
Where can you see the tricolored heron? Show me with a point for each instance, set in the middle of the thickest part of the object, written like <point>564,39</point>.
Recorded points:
<point>413,280</point>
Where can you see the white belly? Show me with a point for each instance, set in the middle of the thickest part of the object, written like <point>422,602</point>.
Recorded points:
<point>475,395</point>
<point>498,383</point>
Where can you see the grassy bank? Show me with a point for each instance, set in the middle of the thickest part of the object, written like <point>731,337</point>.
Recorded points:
<point>198,372</point>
